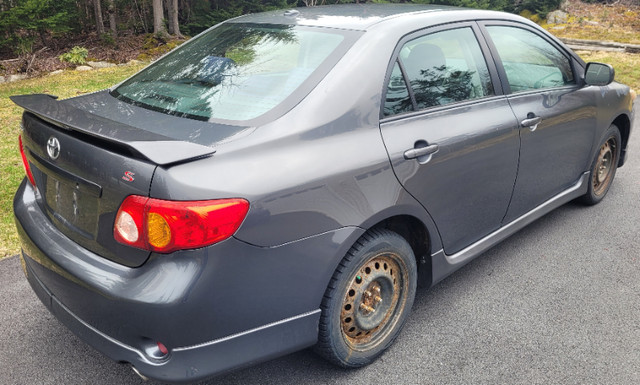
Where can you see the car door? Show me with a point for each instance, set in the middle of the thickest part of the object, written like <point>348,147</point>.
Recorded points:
<point>450,134</point>
<point>557,116</point>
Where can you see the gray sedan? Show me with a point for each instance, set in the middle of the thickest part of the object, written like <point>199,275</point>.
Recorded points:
<point>287,179</point>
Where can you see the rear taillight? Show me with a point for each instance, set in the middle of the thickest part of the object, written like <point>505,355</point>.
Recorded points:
<point>25,163</point>
<point>164,226</point>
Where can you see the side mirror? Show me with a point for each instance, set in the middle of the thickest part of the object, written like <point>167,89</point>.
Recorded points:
<point>599,74</point>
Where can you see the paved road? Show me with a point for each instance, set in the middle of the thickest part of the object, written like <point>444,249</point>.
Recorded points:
<point>557,303</point>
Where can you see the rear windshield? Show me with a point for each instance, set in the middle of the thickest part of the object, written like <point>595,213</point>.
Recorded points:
<point>232,72</point>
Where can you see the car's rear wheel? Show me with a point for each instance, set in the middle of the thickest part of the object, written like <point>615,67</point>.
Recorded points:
<point>603,167</point>
<point>368,299</point>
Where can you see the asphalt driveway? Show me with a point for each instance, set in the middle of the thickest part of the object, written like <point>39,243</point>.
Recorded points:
<point>557,303</point>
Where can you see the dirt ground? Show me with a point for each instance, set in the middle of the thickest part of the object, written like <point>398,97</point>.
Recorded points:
<point>45,58</point>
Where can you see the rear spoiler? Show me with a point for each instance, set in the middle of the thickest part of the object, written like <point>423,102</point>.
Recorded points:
<point>156,148</point>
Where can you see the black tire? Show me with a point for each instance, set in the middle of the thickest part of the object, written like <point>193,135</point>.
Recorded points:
<point>603,167</point>
<point>367,300</point>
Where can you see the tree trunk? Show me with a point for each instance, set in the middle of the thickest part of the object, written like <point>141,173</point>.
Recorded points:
<point>98,11</point>
<point>140,14</point>
<point>170,25</point>
<point>158,20</point>
<point>111,9</point>
<point>174,26</point>
<point>86,20</point>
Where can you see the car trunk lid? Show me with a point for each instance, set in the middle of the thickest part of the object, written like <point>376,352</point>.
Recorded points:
<point>85,165</point>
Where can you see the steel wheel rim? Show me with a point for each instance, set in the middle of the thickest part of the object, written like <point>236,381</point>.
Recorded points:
<point>373,301</point>
<point>604,167</point>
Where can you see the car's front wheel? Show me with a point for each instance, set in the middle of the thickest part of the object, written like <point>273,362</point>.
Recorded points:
<point>367,300</point>
<point>603,167</point>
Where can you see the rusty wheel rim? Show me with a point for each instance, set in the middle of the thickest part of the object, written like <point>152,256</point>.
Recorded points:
<point>604,167</point>
<point>373,301</point>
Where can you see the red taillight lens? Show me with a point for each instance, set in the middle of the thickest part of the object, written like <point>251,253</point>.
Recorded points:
<point>165,226</point>
<point>25,163</point>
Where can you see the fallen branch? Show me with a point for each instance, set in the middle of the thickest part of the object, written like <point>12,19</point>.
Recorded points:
<point>33,58</point>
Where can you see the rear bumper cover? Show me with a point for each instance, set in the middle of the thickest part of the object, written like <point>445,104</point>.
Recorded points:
<point>192,362</point>
<point>216,309</point>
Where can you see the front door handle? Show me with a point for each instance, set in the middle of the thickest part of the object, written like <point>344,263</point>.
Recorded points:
<point>531,121</point>
<point>420,151</point>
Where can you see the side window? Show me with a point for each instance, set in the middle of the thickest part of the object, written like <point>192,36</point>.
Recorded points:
<point>398,99</point>
<point>441,68</point>
<point>530,61</point>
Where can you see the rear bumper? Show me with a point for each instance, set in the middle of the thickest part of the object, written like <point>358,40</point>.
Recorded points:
<point>215,309</point>
<point>196,362</point>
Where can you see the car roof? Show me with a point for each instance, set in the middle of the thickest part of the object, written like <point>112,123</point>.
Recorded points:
<point>359,16</point>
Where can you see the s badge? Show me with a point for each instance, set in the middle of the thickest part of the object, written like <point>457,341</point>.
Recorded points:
<point>128,176</point>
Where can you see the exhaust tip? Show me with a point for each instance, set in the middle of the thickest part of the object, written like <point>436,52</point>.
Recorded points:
<point>144,378</point>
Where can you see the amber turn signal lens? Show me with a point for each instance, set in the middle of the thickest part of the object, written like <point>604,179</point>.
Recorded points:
<point>159,232</point>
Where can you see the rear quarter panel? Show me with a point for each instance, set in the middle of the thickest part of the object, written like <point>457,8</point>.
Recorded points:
<point>319,167</point>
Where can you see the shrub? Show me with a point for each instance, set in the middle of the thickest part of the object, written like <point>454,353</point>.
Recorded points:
<point>107,39</point>
<point>23,45</point>
<point>77,56</point>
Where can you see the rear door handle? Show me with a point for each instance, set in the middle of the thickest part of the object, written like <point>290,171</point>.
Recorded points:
<point>531,122</point>
<point>420,151</point>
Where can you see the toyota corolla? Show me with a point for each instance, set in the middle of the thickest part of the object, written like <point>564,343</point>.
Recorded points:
<point>286,180</point>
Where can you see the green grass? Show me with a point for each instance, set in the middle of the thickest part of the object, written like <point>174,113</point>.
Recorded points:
<point>67,84</point>
<point>626,65</point>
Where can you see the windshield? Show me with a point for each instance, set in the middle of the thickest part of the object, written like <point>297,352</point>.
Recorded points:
<point>231,72</point>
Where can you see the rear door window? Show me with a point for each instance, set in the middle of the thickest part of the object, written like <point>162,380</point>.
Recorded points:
<point>441,68</point>
<point>398,99</point>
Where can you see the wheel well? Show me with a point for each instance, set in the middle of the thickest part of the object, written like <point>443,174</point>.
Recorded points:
<point>416,234</point>
<point>624,125</point>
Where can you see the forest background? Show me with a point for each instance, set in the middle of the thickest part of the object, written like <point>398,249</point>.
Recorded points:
<point>35,34</point>
<point>118,27</point>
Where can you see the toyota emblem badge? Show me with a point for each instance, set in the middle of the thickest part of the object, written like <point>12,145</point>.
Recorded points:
<point>53,148</point>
